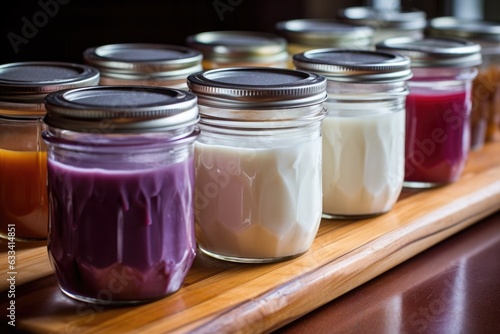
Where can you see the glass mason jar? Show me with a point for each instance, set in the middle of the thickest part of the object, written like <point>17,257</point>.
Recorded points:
<point>307,34</point>
<point>23,157</point>
<point>258,162</point>
<point>485,115</point>
<point>387,22</point>
<point>239,48</point>
<point>120,181</point>
<point>144,64</point>
<point>363,133</point>
<point>437,108</point>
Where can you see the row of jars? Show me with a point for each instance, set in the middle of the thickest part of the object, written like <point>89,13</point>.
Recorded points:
<point>254,155</point>
<point>357,28</point>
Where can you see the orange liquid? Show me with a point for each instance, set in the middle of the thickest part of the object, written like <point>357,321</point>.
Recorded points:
<point>23,193</point>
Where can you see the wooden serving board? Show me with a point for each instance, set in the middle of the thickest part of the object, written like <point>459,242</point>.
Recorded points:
<point>220,297</point>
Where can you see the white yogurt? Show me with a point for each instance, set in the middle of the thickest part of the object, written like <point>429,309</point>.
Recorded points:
<point>257,203</point>
<point>363,163</point>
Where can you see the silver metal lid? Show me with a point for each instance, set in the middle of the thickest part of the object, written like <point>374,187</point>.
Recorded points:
<point>485,33</point>
<point>144,61</point>
<point>229,46</point>
<point>355,65</point>
<point>435,52</point>
<point>121,109</point>
<point>325,33</point>
<point>257,88</point>
<point>384,18</point>
<point>30,82</point>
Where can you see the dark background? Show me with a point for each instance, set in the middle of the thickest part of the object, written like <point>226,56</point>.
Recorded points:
<point>68,27</point>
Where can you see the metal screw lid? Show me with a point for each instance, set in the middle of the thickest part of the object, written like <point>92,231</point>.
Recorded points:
<point>355,65</point>
<point>435,52</point>
<point>257,88</point>
<point>229,46</point>
<point>411,19</point>
<point>485,33</point>
<point>30,82</point>
<point>466,29</point>
<point>121,109</point>
<point>144,61</point>
<point>325,33</point>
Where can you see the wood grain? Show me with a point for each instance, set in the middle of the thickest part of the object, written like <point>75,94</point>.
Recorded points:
<point>220,297</point>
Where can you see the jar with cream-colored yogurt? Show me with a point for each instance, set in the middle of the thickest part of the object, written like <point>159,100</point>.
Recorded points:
<point>364,131</point>
<point>258,162</point>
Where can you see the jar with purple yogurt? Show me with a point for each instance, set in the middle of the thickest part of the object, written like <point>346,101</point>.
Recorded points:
<point>120,183</point>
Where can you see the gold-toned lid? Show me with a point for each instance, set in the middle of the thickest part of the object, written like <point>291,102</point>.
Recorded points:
<point>241,46</point>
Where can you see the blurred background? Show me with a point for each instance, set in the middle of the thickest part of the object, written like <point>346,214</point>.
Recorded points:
<point>60,30</point>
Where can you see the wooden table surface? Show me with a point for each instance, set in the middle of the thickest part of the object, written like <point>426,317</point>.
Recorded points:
<point>219,297</point>
<point>452,287</point>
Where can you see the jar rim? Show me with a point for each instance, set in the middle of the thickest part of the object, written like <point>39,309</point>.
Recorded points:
<point>121,109</point>
<point>325,32</point>
<point>435,51</point>
<point>144,60</point>
<point>355,65</point>
<point>447,26</point>
<point>402,19</point>
<point>234,45</point>
<point>257,87</point>
<point>31,81</point>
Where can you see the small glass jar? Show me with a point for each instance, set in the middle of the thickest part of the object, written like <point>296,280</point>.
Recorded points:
<point>485,115</point>
<point>240,48</point>
<point>437,108</point>
<point>120,182</point>
<point>144,64</point>
<point>387,22</point>
<point>363,133</point>
<point>23,158</point>
<point>307,34</point>
<point>258,162</point>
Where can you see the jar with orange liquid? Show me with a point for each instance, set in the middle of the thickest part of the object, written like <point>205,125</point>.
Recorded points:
<point>23,158</point>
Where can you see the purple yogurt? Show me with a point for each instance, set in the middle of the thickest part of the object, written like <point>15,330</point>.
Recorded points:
<point>121,235</point>
<point>121,182</point>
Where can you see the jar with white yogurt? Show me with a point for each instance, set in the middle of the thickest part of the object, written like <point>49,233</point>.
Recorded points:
<point>258,162</point>
<point>364,131</point>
